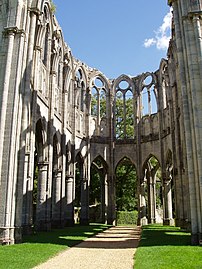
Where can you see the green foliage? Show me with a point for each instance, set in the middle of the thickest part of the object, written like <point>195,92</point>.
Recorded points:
<point>167,247</point>
<point>53,6</point>
<point>95,186</point>
<point>94,106</point>
<point>125,218</point>
<point>41,246</point>
<point>124,117</point>
<point>126,185</point>
<point>101,106</point>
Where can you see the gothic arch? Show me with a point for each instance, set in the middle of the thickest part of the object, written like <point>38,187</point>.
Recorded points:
<point>102,161</point>
<point>148,100</point>
<point>126,78</point>
<point>46,19</point>
<point>125,108</point>
<point>98,190</point>
<point>126,185</point>
<point>149,157</point>
<point>102,77</point>
<point>124,156</point>
<point>152,190</point>
<point>56,184</point>
<point>163,83</point>
<point>40,139</point>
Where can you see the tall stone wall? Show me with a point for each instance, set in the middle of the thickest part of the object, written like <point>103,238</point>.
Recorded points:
<point>58,116</point>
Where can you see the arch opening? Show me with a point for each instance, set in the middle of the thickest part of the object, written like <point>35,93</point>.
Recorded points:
<point>98,191</point>
<point>126,191</point>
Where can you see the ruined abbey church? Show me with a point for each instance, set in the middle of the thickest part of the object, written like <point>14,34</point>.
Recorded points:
<point>59,117</point>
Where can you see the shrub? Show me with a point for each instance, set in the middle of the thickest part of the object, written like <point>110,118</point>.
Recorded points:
<point>127,217</point>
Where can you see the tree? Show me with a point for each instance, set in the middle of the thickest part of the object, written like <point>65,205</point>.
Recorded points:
<point>95,186</point>
<point>126,186</point>
<point>124,116</point>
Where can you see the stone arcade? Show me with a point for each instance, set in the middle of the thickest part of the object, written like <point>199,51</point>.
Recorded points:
<point>48,121</point>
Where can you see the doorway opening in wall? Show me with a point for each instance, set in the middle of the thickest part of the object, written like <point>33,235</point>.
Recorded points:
<point>78,187</point>
<point>98,191</point>
<point>152,190</point>
<point>126,193</point>
<point>36,190</point>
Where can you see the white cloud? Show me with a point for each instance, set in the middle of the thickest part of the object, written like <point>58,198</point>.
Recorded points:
<point>162,35</point>
<point>149,42</point>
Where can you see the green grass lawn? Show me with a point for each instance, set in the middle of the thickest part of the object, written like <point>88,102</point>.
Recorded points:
<point>41,246</point>
<point>164,247</point>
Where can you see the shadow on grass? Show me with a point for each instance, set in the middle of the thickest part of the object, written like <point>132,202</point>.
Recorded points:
<point>68,237</point>
<point>164,236</point>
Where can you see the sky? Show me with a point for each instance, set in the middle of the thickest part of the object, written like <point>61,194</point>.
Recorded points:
<point>116,36</point>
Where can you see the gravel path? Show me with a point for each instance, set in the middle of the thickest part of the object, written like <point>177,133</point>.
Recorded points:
<point>112,249</point>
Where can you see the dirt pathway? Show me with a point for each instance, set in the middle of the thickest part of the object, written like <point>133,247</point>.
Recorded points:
<point>111,249</point>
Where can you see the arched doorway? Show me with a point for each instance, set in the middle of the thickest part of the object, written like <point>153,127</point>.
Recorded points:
<point>153,190</point>
<point>39,181</point>
<point>81,202</point>
<point>98,191</point>
<point>126,187</point>
<point>56,185</point>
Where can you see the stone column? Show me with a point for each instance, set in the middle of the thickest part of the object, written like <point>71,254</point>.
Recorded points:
<point>190,87</point>
<point>103,193</point>
<point>143,213</point>
<point>168,214</point>
<point>69,212</point>
<point>153,198</point>
<point>111,212</point>
<point>106,201</point>
<point>5,90</point>
<point>84,217</point>
<point>56,200</point>
<point>41,220</point>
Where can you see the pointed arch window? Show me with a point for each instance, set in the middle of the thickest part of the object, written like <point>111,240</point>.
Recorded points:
<point>148,97</point>
<point>45,46</point>
<point>81,91</point>
<point>98,99</point>
<point>124,111</point>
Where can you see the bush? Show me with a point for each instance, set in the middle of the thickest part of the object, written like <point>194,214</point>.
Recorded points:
<point>127,217</point>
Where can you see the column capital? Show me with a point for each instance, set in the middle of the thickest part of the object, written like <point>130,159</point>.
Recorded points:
<point>43,165</point>
<point>69,178</point>
<point>35,11</point>
<point>10,30</point>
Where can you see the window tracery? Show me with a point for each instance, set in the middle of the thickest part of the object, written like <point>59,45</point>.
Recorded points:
<point>148,96</point>
<point>99,104</point>
<point>124,110</point>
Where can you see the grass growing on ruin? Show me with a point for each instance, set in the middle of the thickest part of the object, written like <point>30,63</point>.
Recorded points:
<point>40,247</point>
<point>167,247</point>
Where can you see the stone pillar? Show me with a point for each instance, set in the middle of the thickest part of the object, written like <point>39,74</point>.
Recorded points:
<point>111,211</point>
<point>56,199</point>
<point>41,218</point>
<point>168,214</point>
<point>5,90</point>
<point>84,217</point>
<point>143,214</point>
<point>106,201</point>
<point>102,217</point>
<point>189,58</point>
<point>153,199</point>
<point>69,212</point>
